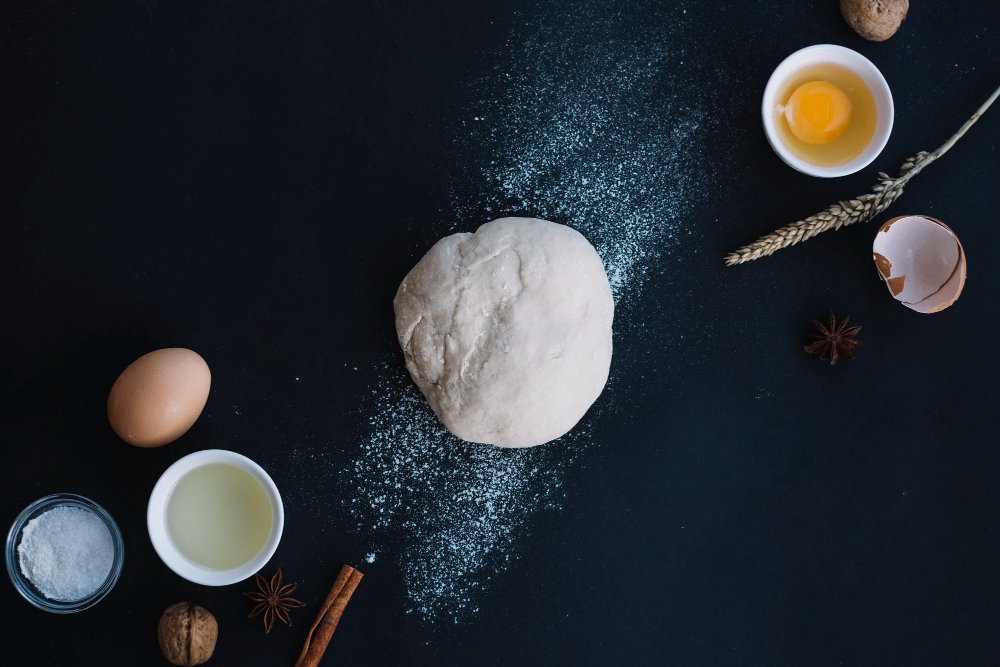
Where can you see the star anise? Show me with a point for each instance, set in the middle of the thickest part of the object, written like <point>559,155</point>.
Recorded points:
<point>273,599</point>
<point>834,340</point>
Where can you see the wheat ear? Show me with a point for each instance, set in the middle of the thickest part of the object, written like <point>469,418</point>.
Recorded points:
<point>863,208</point>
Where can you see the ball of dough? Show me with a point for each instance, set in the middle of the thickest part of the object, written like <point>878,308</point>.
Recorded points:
<point>507,331</point>
<point>875,20</point>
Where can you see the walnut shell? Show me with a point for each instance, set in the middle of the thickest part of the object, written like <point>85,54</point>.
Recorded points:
<point>876,20</point>
<point>187,634</point>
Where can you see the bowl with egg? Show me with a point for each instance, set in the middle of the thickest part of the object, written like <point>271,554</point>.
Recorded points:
<point>827,111</point>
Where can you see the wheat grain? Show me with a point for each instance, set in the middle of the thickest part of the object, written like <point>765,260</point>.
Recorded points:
<point>861,209</point>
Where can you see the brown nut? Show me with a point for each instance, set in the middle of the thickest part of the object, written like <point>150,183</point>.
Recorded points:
<point>875,20</point>
<point>187,634</point>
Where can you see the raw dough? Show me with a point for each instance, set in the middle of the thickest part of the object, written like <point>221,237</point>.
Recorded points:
<point>507,331</point>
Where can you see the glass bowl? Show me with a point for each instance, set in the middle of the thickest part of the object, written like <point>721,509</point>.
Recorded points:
<point>28,590</point>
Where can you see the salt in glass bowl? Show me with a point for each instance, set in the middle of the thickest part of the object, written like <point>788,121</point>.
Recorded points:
<point>27,589</point>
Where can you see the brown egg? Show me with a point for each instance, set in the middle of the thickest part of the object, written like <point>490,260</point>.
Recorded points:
<point>159,396</point>
<point>921,261</point>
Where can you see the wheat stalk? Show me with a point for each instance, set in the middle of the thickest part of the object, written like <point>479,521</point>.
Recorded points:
<point>863,208</point>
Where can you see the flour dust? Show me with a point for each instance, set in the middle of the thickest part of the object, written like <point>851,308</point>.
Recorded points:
<point>582,122</point>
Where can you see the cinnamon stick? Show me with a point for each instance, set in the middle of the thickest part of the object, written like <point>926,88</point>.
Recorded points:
<point>329,615</point>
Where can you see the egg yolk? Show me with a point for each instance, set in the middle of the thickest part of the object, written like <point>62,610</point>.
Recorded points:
<point>818,112</point>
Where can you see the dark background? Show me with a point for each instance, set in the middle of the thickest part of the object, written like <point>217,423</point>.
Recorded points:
<point>250,180</point>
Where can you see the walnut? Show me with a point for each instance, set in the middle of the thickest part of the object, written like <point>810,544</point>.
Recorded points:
<point>187,634</point>
<point>876,20</point>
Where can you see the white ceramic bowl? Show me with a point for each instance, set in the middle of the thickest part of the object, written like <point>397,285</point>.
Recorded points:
<point>156,519</point>
<point>857,63</point>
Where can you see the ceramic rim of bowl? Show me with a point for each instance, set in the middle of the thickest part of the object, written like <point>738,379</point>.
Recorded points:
<point>857,63</point>
<point>163,544</point>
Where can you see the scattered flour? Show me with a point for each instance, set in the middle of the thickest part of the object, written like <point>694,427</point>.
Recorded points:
<point>584,128</point>
<point>580,124</point>
<point>451,505</point>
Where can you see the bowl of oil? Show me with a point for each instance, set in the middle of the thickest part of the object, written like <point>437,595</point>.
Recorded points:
<point>827,111</point>
<point>215,517</point>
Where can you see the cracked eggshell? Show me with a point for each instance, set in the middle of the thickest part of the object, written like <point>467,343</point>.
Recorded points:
<point>921,261</point>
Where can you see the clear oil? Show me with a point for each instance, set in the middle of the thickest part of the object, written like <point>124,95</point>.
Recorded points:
<point>219,516</point>
<point>859,132</point>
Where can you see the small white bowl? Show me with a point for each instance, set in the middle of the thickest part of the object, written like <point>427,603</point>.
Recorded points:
<point>857,63</point>
<point>156,519</point>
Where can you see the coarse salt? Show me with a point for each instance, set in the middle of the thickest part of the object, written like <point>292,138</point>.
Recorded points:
<point>66,552</point>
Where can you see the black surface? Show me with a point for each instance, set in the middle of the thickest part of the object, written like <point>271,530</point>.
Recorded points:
<point>252,180</point>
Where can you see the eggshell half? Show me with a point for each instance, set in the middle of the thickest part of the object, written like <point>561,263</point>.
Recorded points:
<point>921,261</point>
<point>159,396</point>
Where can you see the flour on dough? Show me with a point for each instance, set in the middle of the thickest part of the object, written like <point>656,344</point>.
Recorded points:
<point>507,331</point>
